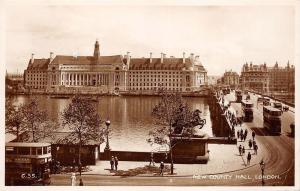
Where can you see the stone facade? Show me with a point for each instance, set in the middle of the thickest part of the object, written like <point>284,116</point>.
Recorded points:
<point>113,74</point>
<point>255,77</point>
<point>230,79</point>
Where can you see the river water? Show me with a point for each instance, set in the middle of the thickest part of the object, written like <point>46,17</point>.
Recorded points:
<point>130,117</point>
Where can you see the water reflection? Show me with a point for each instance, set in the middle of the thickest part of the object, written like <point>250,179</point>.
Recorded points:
<point>130,117</point>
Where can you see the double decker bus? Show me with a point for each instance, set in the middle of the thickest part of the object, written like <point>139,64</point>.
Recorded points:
<point>272,119</point>
<point>239,96</point>
<point>247,108</point>
<point>27,163</point>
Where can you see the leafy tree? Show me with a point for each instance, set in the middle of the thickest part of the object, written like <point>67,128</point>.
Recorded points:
<point>27,119</point>
<point>13,119</point>
<point>83,121</point>
<point>35,120</point>
<point>174,118</point>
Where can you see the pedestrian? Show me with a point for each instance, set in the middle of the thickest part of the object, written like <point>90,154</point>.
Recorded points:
<point>246,133</point>
<point>248,158</point>
<point>73,179</point>
<point>243,150</point>
<point>254,142</point>
<point>116,162</point>
<point>240,149</point>
<point>112,162</point>
<point>255,149</point>
<point>242,132</point>
<point>80,182</point>
<point>250,143</point>
<point>152,159</point>
<point>253,135</point>
<point>238,134</point>
<point>162,166</point>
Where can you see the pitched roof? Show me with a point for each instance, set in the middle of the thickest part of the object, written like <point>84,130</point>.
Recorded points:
<point>39,63</point>
<point>168,63</point>
<point>61,59</point>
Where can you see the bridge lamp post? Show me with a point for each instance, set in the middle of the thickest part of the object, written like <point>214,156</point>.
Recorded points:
<point>262,167</point>
<point>107,123</point>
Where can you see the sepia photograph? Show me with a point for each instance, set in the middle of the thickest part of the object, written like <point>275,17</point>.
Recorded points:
<point>170,94</point>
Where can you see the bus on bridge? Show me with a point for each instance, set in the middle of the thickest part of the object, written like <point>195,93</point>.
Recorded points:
<point>272,119</point>
<point>247,108</point>
<point>27,163</point>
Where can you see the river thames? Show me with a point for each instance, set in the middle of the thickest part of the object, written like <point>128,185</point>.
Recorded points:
<point>130,117</point>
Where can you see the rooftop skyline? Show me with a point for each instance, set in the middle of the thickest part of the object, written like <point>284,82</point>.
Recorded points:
<point>225,37</point>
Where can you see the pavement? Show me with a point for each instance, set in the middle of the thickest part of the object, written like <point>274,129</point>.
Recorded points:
<point>222,159</point>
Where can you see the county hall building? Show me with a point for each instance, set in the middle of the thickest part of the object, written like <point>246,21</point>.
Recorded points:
<point>113,74</point>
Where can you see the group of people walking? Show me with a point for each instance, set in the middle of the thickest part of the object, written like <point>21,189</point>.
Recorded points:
<point>114,162</point>
<point>242,134</point>
<point>251,143</point>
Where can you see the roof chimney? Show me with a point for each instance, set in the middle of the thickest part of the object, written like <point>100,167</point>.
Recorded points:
<point>51,56</point>
<point>161,57</point>
<point>32,58</point>
<point>128,59</point>
<point>150,57</point>
<point>183,57</point>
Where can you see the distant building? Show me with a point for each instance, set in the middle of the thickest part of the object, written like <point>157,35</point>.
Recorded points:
<point>212,80</point>
<point>282,82</point>
<point>274,81</point>
<point>282,79</point>
<point>255,77</point>
<point>110,74</point>
<point>230,79</point>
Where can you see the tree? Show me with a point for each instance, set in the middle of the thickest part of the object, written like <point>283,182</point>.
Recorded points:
<point>26,119</point>
<point>13,119</point>
<point>83,121</point>
<point>173,116</point>
<point>35,120</point>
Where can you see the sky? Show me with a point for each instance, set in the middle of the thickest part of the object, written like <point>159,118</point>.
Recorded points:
<point>225,37</point>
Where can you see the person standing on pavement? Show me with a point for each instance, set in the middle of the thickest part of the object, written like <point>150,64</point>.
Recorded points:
<point>238,134</point>
<point>253,135</point>
<point>246,133</point>
<point>73,179</point>
<point>152,159</point>
<point>162,166</point>
<point>243,150</point>
<point>250,143</point>
<point>248,158</point>
<point>80,182</point>
<point>112,162</point>
<point>116,162</point>
<point>240,149</point>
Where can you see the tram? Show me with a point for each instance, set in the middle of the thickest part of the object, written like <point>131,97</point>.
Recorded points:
<point>272,119</point>
<point>27,163</point>
<point>247,108</point>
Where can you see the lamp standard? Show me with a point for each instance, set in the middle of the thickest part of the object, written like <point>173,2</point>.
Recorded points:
<point>107,123</point>
<point>262,167</point>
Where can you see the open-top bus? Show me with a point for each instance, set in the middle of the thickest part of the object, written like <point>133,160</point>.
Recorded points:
<point>247,108</point>
<point>27,163</point>
<point>272,119</point>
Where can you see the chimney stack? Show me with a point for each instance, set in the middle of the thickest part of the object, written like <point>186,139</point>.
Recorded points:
<point>32,58</point>
<point>161,57</point>
<point>183,57</point>
<point>150,57</point>
<point>128,58</point>
<point>51,56</point>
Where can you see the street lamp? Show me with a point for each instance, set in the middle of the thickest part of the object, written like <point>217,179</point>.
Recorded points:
<point>107,123</point>
<point>262,167</point>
